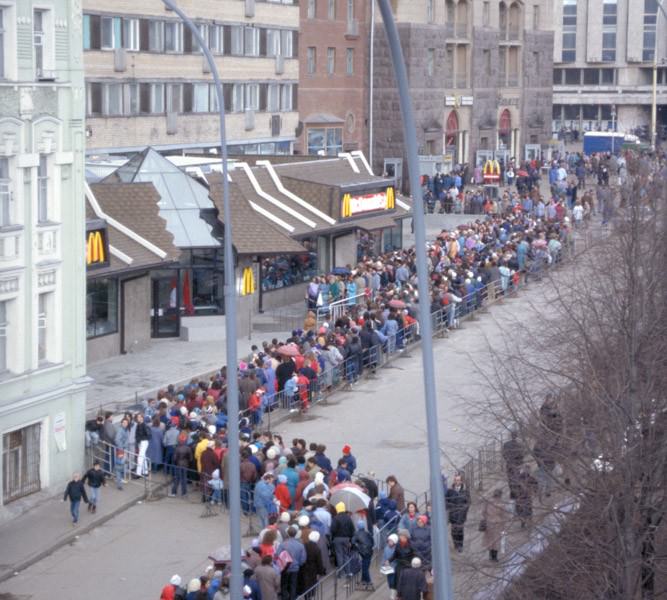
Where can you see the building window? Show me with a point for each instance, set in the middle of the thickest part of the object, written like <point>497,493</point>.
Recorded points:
<point>4,325</point>
<point>572,76</point>
<point>21,462</point>
<point>312,9</point>
<point>43,189</point>
<point>101,307</point>
<point>200,98</point>
<point>237,40</point>
<point>131,34</point>
<point>350,10</point>
<point>238,95</point>
<point>3,13</point>
<point>94,99</point>
<point>174,97</point>
<point>251,45</point>
<point>349,61</point>
<point>203,30</point>
<point>513,67</point>
<point>252,96</point>
<point>430,61</point>
<point>287,43</point>
<point>311,60</point>
<point>156,36</point>
<point>39,41</point>
<point>486,13</point>
<point>111,32</point>
<point>331,9</point>
<point>42,327</point>
<point>6,217</point>
<point>173,38</point>
<point>609,17</point>
<point>287,91</point>
<point>114,99</point>
<point>132,99</point>
<point>487,62</point>
<point>284,271</point>
<point>536,17</point>
<point>273,98</point>
<point>607,76</point>
<point>569,52</point>
<point>331,61</point>
<point>273,42</point>
<point>157,98</point>
<point>325,141</point>
<point>650,28</point>
<point>215,39</point>
<point>430,14</point>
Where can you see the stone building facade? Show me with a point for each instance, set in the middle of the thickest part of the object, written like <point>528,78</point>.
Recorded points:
<point>42,256</point>
<point>603,65</point>
<point>479,72</point>
<point>147,82</point>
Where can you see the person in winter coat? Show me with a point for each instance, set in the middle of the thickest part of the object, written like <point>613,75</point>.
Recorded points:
<point>412,582</point>
<point>409,519</point>
<point>155,450</point>
<point>493,516</point>
<point>282,493</point>
<point>314,566</point>
<point>268,579</point>
<point>173,590</point>
<point>76,492</point>
<point>342,531</point>
<point>362,542</point>
<point>289,578</point>
<point>209,463</point>
<point>263,499</point>
<point>526,488</point>
<point>403,554</point>
<point>389,562</point>
<point>182,461</point>
<point>142,436</point>
<point>348,458</point>
<point>95,479</point>
<point>421,540</point>
<point>396,492</point>
<point>458,503</point>
<point>304,482</point>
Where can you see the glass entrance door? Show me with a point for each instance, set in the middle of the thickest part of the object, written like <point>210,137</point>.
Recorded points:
<point>165,318</point>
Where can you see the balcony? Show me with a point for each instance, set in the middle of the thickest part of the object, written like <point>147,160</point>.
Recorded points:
<point>352,31</point>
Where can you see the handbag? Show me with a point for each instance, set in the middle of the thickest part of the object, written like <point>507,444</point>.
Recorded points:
<point>482,525</point>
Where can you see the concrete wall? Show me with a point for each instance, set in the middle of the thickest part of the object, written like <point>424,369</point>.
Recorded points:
<point>283,296</point>
<point>137,313</point>
<point>345,250</point>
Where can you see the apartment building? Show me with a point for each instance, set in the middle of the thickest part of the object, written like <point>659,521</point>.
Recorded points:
<point>42,256</point>
<point>147,82</point>
<point>604,54</point>
<point>479,72</point>
<point>333,76</point>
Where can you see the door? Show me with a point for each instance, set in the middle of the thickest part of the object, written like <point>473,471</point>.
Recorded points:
<point>165,316</point>
<point>532,152</point>
<point>393,167</point>
<point>21,463</point>
<point>481,156</point>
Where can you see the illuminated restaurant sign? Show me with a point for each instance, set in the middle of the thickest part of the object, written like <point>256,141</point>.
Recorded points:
<point>355,205</point>
<point>97,248</point>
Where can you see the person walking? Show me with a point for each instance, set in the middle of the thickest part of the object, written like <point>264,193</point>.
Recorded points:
<point>143,436</point>
<point>526,488</point>
<point>412,582</point>
<point>95,479</point>
<point>458,503</point>
<point>75,491</point>
<point>493,519</point>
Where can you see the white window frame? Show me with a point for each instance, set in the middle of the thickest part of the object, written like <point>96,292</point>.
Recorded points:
<point>331,10</point>
<point>174,98</point>
<point>273,42</point>
<point>110,90</point>
<point>251,41</point>
<point>158,106</point>
<point>176,29</point>
<point>350,10</point>
<point>43,318</point>
<point>156,36</point>
<point>216,39</point>
<point>131,34</point>
<point>132,99</point>
<point>238,97</point>
<point>43,189</point>
<point>286,97</point>
<point>4,336</point>
<point>311,60</point>
<point>430,11</point>
<point>116,33</point>
<point>252,96</point>
<point>287,43</point>
<point>237,37</point>
<point>312,9</point>
<point>331,60</point>
<point>273,98</point>
<point>6,193</point>
<point>43,38</point>
<point>200,98</point>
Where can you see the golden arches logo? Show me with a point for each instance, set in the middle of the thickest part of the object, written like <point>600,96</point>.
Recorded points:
<point>347,209</point>
<point>391,198</point>
<point>248,282</point>
<point>95,251</point>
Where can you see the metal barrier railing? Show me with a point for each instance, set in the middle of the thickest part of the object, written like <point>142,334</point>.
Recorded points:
<point>333,311</point>
<point>121,464</point>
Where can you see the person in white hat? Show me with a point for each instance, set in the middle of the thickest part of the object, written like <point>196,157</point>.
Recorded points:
<point>173,589</point>
<point>412,582</point>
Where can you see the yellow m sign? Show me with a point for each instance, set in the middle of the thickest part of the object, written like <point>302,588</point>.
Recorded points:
<point>347,211</point>
<point>95,250</point>
<point>247,282</point>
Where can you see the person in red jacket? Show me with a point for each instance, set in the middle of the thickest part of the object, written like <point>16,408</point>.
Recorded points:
<point>282,493</point>
<point>173,590</point>
<point>303,384</point>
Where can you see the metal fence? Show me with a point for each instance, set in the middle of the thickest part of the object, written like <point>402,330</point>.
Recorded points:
<point>332,311</point>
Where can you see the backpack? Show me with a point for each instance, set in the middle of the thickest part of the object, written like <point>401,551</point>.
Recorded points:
<point>283,560</point>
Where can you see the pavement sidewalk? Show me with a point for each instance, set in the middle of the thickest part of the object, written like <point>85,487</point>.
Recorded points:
<point>37,533</point>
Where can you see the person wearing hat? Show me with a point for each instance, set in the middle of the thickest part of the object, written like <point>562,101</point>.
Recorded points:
<point>282,494</point>
<point>389,564</point>
<point>173,590</point>
<point>412,581</point>
<point>289,577</point>
<point>342,531</point>
<point>314,565</point>
<point>350,461</point>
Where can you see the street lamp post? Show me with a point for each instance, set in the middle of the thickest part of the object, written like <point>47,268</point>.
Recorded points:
<point>441,564</point>
<point>234,483</point>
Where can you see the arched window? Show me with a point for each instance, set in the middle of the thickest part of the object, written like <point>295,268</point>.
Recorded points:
<point>451,129</point>
<point>514,21</point>
<point>503,20</point>
<point>505,122</point>
<point>462,18</point>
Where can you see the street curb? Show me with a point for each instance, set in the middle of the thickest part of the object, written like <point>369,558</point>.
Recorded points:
<point>69,538</point>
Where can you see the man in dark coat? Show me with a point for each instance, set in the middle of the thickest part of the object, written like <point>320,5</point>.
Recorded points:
<point>314,565</point>
<point>182,460</point>
<point>458,503</point>
<point>209,463</point>
<point>412,582</point>
<point>513,453</point>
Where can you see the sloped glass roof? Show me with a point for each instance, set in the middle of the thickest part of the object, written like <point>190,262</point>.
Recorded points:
<point>181,197</point>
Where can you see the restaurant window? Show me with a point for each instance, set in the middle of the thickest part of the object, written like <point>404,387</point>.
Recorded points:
<point>286,270</point>
<point>101,307</point>
<point>325,141</point>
